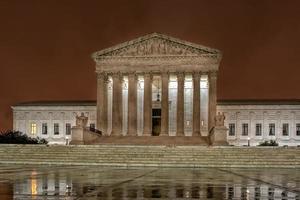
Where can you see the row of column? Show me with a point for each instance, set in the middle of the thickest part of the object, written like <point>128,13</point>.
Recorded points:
<point>117,110</point>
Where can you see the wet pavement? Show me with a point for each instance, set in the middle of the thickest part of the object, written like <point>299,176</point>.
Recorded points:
<point>61,182</point>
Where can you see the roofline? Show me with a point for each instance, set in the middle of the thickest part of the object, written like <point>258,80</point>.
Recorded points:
<point>258,102</point>
<point>151,35</point>
<point>56,103</point>
<point>219,102</point>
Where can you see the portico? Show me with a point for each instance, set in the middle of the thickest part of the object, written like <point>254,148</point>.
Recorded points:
<point>156,76</point>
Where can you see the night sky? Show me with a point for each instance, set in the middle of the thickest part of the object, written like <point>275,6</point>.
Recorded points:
<point>46,46</point>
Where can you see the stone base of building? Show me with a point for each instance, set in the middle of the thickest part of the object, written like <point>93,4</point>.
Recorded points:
<point>152,140</point>
<point>74,142</point>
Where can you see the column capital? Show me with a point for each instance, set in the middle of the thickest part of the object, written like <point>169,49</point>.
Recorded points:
<point>148,75</point>
<point>212,74</point>
<point>165,74</point>
<point>196,74</point>
<point>133,75</point>
<point>118,75</point>
<point>102,75</point>
<point>180,74</point>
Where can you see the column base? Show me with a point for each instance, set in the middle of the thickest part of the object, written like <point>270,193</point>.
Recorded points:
<point>180,134</point>
<point>131,134</point>
<point>163,134</point>
<point>147,132</point>
<point>196,133</point>
<point>115,134</point>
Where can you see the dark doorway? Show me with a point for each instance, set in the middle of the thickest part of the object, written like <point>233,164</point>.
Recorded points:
<point>156,121</point>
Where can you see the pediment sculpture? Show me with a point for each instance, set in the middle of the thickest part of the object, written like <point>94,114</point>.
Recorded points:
<point>153,45</point>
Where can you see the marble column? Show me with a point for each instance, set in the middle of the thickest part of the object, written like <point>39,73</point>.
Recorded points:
<point>212,81</point>
<point>117,110</point>
<point>102,118</point>
<point>132,104</point>
<point>147,105</point>
<point>196,104</point>
<point>164,105</point>
<point>180,105</point>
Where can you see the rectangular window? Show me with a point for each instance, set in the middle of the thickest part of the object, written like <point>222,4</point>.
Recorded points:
<point>244,129</point>
<point>285,129</point>
<point>56,129</point>
<point>68,129</point>
<point>297,129</point>
<point>33,128</point>
<point>258,129</point>
<point>272,129</point>
<point>44,128</point>
<point>231,129</point>
<point>92,127</point>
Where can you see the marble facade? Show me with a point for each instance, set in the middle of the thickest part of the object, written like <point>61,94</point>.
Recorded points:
<point>236,113</point>
<point>138,77</point>
<point>159,85</point>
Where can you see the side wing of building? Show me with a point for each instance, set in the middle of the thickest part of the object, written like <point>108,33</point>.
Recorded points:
<point>246,121</point>
<point>258,121</point>
<point>51,120</point>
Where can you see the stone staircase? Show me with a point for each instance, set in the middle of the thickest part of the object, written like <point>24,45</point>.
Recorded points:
<point>152,140</point>
<point>152,156</point>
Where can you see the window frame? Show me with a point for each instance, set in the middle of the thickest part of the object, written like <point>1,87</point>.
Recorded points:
<point>33,128</point>
<point>245,129</point>
<point>68,128</point>
<point>272,126</point>
<point>44,128</point>
<point>258,129</point>
<point>285,127</point>
<point>231,131</point>
<point>297,129</point>
<point>56,126</point>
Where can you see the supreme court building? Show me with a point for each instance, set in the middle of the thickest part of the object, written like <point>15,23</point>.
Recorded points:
<point>158,85</point>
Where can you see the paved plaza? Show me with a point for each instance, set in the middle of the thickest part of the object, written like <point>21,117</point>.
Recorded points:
<point>54,182</point>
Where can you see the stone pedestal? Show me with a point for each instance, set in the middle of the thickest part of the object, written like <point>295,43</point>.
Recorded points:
<point>77,135</point>
<point>218,136</point>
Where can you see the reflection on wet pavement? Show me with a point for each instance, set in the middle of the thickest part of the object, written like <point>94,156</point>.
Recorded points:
<point>61,182</point>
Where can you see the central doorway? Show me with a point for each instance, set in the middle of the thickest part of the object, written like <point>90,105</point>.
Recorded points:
<point>156,121</point>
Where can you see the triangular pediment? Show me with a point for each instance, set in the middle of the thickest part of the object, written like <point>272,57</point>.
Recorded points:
<point>154,44</point>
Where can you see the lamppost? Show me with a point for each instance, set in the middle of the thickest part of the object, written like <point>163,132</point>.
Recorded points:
<point>67,140</point>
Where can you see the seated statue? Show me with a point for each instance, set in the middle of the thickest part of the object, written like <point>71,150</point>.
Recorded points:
<point>219,119</point>
<point>81,121</point>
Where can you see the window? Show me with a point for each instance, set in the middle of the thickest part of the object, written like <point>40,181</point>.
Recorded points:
<point>272,129</point>
<point>44,128</point>
<point>258,129</point>
<point>231,129</point>
<point>68,129</point>
<point>285,129</point>
<point>33,129</point>
<point>244,129</point>
<point>92,126</point>
<point>56,129</point>
<point>298,129</point>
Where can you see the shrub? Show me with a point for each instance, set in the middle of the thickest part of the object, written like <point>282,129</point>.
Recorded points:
<point>17,137</point>
<point>268,143</point>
